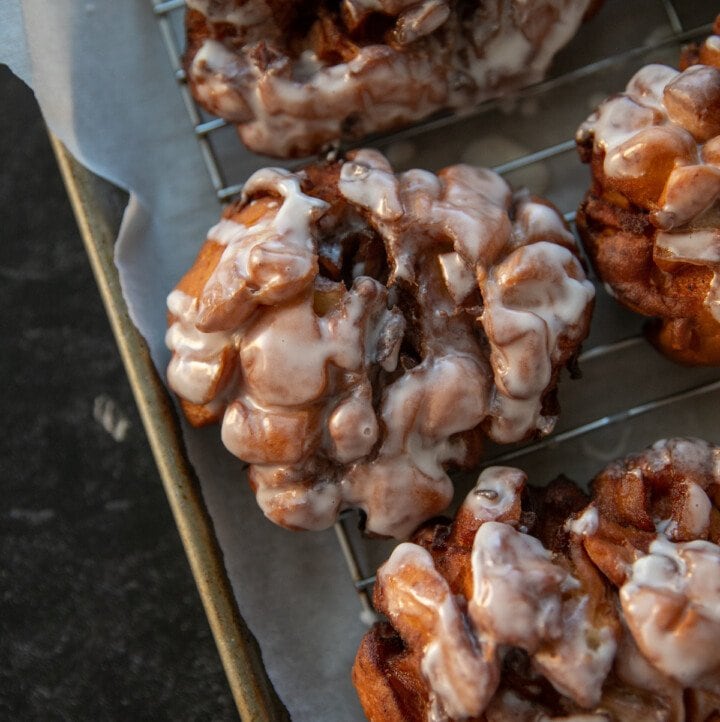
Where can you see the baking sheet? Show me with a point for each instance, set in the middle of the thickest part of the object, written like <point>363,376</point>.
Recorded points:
<point>102,78</point>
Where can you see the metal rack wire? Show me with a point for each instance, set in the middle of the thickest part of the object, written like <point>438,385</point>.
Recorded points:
<point>225,188</point>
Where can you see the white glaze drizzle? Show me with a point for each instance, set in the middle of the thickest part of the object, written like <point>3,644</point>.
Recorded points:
<point>304,389</point>
<point>671,602</point>
<point>461,671</point>
<point>496,492</point>
<point>578,663</point>
<point>285,106</point>
<point>419,411</point>
<point>525,323</point>
<point>246,15</point>
<point>458,277</point>
<point>689,192</point>
<point>700,247</point>
<point>520,597</point>
<point>694,515</point>
<point>516,587</point>
<point>212,70</point>
<point>586,524</point>
<point>663,112</point>
<point>712,299</point>
<point>197,361</point>
<point>695,466</point>
<point>693,458</point>
<point>369,182</point>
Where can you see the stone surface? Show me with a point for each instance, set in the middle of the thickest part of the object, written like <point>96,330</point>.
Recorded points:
<point>99,615</point>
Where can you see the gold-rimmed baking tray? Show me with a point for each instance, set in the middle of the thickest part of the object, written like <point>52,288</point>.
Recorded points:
<point>98,208</point>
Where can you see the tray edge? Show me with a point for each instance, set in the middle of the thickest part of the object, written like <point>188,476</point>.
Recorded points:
<point>254,695</point>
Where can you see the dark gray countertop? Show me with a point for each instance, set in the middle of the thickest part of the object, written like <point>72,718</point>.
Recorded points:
<point>99,615</point>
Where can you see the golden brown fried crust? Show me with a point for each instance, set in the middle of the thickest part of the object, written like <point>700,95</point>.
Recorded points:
<point>702,53</point>
<point>199,415</point>
<point>618,222</point>
<point>194,280</point>
<point>630,498</point>
<point>631,495</point>
<point>619,242</point>
<point>192,284</point>
<point>550,508</point>
<point>271,70</point>
<point>387,672</point>
<point>702,707</point>
<point>381,677</point>
<point>396,328</point>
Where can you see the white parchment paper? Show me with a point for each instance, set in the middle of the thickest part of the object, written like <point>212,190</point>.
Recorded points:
<point>102,77</point>
<point>103,81</point>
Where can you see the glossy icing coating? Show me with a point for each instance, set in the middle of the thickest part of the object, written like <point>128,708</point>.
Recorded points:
<point>671,602</point>
<point>462,671</point>
<point>669,584</point>
<point>595,615</point>
<point>496,493</point>
<point>648,145</point>
<point>520,595</point>
<point>366,66</point>
<point>346,390</point>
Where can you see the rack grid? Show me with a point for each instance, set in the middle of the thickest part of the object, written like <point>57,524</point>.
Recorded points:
<point>168,12</point>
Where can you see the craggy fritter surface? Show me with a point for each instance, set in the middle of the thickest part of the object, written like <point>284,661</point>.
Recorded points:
<point>651,219</point>
<point>638,606</point>
<point>295,76</point>
<point>359,333</point>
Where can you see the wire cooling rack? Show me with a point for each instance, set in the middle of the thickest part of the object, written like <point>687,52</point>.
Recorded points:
<point>667,388</point>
